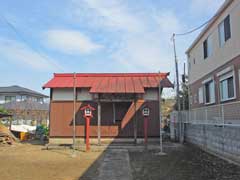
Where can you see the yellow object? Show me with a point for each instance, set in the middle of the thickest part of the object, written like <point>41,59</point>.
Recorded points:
<point>23,136</point>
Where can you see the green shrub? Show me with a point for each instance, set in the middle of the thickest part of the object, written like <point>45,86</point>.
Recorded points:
<point>42,130</point>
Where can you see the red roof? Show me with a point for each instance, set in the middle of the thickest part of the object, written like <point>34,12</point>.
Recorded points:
<point>110,82</point>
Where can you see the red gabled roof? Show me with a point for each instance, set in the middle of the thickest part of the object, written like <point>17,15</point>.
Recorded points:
<point>110,82</point>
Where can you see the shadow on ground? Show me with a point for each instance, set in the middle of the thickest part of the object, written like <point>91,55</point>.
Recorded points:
<point>182,162</point>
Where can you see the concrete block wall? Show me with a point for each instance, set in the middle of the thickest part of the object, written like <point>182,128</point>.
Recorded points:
<point>223,141</point>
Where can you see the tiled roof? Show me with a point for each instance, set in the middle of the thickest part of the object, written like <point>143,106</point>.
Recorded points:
<point>20,90</point>
<point>26,105</point>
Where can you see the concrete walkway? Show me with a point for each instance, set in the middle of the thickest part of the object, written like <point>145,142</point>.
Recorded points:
<point>115,165</point>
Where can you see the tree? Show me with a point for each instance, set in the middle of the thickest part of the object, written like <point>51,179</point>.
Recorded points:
<point>183,95</point>
<point>3,110</point>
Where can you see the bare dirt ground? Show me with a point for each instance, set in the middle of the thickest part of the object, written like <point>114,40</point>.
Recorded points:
<point>28,161</point>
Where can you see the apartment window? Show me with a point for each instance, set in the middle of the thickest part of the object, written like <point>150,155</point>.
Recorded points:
<point>200,95</point>
<point>209,92</point>
<point>207,47</point>
<point>227,87</point>
<point>224,30</point>
<point>10,98</point>
<point>23,98</point>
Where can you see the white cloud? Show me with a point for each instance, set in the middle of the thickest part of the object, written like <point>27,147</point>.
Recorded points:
<point>167,22</point>
<point>205,6</point>
<point>70,41</point>
<point>113,14</point>
<point>142,36</point>
<point>21,54</point>
<point>143,53</point>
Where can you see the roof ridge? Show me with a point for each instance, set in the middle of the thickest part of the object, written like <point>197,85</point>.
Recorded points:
<point>109,74</point>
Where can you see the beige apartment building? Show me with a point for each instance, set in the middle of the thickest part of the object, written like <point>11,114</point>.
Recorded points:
<point>214,59</point>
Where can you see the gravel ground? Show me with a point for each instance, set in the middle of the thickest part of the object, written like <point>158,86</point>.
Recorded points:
<point>181,163</point>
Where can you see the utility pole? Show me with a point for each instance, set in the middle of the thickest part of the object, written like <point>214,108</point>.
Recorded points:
<point>161,153</point>
<point>177,90</point>
<point>74,113</point>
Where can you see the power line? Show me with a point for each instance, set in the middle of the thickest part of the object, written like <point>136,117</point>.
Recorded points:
<point>26,42</point>
<point>193,30</point>
<point>197,28</point>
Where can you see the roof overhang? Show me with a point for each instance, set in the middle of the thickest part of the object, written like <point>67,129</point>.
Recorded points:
<point>5,115</point>
<point>111,82</point>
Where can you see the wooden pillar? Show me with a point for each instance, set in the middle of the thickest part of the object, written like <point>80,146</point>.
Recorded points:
<point>99,123</point>
<point>135,122</point>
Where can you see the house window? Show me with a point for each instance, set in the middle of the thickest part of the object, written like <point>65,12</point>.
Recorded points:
<point>209,92</point>
<point>207,47</point>
<point>227,87</point>
<point>200,95</point>
<point>10,99</point>
<point>40,100</point>
<point>224,30</point>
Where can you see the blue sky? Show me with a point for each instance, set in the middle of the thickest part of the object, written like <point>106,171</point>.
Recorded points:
<point>38,38</point>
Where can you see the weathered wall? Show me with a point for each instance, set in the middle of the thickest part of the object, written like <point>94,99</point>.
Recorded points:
<point>62,94</point>
<point>61,116</point>
<point>151,94</point>
<point>83,94</point>
<point>224,141</point>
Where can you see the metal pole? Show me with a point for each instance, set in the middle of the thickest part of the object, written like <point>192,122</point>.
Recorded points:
<point>87,133</point>
<point>135,120</point>
<point>99,123</point>
<point>222,112</point>
<point>114,112</point>
<point>74,112</point>
<point>177,90</point>
<point>160,117</point>
<point>184,98</point>
<point>145,131</point>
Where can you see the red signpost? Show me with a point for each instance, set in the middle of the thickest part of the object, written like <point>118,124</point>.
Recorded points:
<point>87,115</point>
<point>145,113</point>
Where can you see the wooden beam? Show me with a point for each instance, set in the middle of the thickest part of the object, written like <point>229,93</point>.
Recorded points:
<point>99,123</point>
<point>116,100</point>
